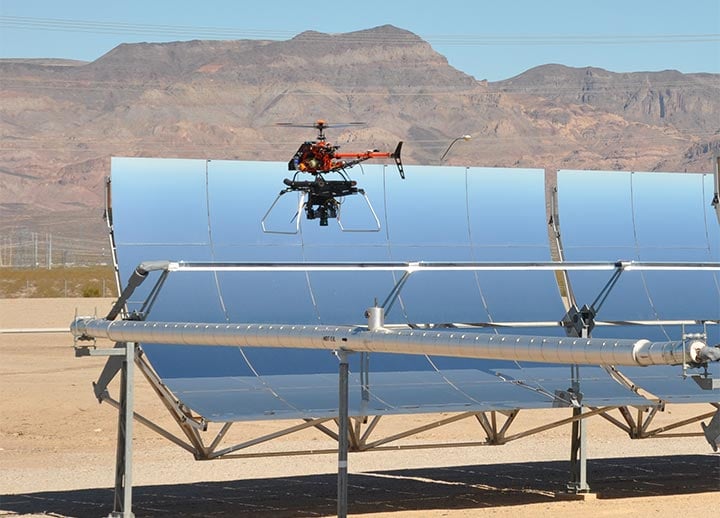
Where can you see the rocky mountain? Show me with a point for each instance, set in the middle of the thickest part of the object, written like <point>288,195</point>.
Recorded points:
<point>669,100</point>
<point>60,121</point>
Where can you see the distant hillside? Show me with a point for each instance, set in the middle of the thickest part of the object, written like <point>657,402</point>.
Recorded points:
<point>667,98</point>
<point>60,121</point>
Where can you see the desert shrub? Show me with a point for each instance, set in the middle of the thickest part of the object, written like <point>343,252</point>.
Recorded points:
<point>58,282</point>
<point>90,291</point>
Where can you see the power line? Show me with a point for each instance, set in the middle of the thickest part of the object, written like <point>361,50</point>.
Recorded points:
<point>464,40</point>
<point>98,27</point>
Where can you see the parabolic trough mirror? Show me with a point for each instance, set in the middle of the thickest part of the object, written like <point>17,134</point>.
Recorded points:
<point>453,289</point>
<point>206,215</point>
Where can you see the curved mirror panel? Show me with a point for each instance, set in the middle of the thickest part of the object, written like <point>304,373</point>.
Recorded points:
<point>663,221</point>
<point>507,216</point>
<point>212,211</point>
<point>427,208</point>
<point>158,201</point>
<point>668,211</point>
<point>239,194</point>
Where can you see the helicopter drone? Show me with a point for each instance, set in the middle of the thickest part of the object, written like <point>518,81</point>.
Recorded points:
<point>320,158</point>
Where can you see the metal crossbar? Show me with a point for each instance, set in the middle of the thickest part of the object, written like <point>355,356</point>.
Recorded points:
<point>418,266</point>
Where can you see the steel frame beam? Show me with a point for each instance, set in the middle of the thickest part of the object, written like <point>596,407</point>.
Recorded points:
<point>495,424</point>
<point>361,432</point>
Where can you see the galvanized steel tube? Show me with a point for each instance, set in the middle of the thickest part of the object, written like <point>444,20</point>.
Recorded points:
<point>437,342</point>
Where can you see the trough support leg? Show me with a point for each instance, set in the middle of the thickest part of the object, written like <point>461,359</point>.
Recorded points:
<point>343,423</point>
<point>578,455</point>
<point>578,442</point>
<point>123,462</point>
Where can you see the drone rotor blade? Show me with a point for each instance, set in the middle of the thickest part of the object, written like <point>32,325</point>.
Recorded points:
<point>294,125</point>
<point>315,125</point>
<point>345,124</point>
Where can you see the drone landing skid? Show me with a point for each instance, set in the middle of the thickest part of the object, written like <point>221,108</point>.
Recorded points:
<point>318,201</point>
<point>375,221</point>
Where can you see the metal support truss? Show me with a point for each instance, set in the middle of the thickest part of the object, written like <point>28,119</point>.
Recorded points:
<point>362,433</point>
<point>638,426</point>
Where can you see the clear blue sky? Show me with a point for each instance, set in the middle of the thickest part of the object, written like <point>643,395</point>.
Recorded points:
<point>489,40</point>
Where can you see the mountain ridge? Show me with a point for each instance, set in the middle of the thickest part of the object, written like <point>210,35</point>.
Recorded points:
<point>60,120</point>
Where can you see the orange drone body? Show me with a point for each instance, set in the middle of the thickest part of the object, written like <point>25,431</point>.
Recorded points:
<point>319,156</point>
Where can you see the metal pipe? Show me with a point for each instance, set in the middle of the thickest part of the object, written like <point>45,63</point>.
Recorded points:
<point>136,279</point>
<point>417,266</point>
<point>437,342</point>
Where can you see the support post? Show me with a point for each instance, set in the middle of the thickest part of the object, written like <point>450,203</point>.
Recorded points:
<point>580,323</point>
<point>343,427</point>
<point>578,443</point>
<point>123,462</point>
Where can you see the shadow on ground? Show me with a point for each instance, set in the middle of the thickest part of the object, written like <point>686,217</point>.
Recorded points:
<point>459,487</point>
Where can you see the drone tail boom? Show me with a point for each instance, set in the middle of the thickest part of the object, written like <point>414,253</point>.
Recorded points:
<point>361,157</point>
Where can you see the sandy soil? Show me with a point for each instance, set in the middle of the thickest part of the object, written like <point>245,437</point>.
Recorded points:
<point>57,447</point>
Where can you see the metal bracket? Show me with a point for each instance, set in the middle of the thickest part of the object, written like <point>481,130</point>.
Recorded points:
<point>688,339</point>
<point>93,351</point>
<point>579,322</point>
<point>567,398</point>
<point>706,382</point>
<point>376,318</point>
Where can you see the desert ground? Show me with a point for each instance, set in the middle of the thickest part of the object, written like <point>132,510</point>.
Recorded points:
<point>57,449</point>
